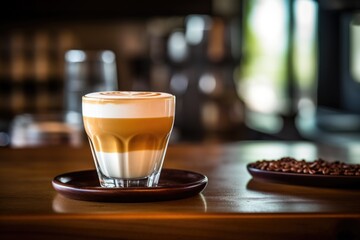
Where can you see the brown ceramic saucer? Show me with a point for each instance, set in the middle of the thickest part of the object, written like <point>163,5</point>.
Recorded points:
<point>173,184</point>
<point>313,180</point>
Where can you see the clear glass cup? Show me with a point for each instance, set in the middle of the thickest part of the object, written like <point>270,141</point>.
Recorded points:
<point>128,134</point>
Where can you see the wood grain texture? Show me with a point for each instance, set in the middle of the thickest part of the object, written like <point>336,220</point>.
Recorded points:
<point>232,205</point>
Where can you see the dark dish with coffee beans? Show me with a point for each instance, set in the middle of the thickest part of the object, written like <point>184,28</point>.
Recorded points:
<point>316,167</point>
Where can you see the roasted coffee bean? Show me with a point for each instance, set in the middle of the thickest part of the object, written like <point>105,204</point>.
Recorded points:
<point>325,171</point>
<point>311,171</point>
<point>319,166</point>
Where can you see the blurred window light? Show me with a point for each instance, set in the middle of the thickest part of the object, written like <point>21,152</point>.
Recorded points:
<point>305,45</point>
<point>75,56</point>
<point>263,80</point>
<point>355,47</point>
<point>305,16</point>
<point>260,95</point>
<point>195,27</point>
<point>207,83</point>
<point>177,47</point>
<point>268,21</point>
<point>179,83</point>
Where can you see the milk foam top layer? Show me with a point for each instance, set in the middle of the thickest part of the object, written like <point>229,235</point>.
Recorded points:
<point>122,104</point>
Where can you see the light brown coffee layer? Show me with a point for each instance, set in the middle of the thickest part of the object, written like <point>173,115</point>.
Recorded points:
<point>128,134</point>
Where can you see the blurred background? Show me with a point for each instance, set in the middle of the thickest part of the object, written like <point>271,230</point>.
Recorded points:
<point>240,69</point>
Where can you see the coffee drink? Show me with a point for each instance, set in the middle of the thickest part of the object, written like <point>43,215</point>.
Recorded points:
<point>128,134</point>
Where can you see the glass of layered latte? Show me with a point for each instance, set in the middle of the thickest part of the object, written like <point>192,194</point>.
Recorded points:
<point>128,134</point>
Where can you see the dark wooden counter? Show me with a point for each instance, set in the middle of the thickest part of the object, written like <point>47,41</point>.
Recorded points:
<point>233,206</point>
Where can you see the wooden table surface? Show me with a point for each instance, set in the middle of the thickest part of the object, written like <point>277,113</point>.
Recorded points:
<point>232,206</point>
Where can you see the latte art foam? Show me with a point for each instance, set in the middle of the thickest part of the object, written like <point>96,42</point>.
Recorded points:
<point>122,104</point>
<point>126,95</point>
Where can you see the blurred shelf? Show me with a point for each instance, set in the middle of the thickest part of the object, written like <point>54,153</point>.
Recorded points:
<point>19,11</point>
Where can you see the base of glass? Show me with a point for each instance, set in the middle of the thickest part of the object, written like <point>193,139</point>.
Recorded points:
<point>150,181</point>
